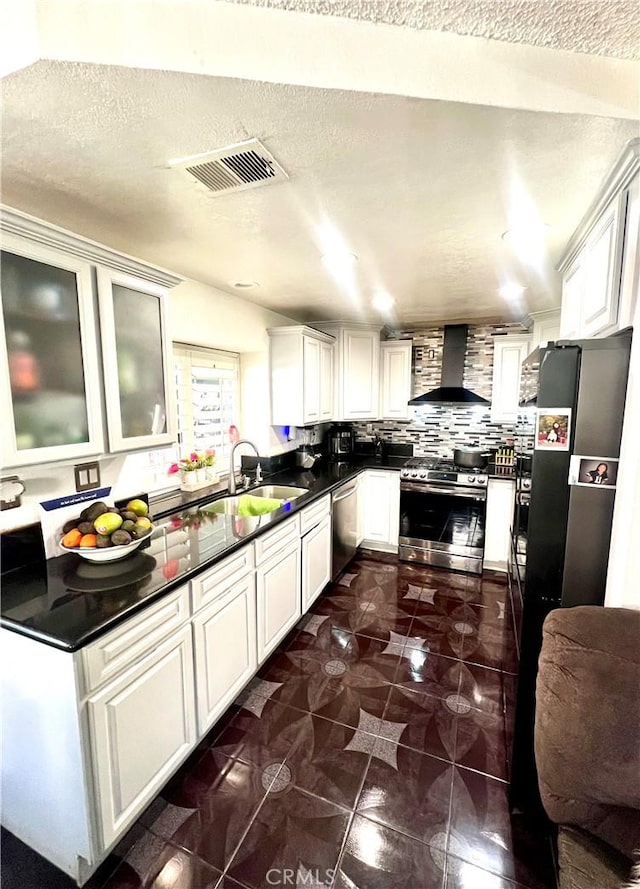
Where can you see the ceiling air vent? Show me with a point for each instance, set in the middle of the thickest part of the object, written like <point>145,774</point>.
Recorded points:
<point>234,168</point>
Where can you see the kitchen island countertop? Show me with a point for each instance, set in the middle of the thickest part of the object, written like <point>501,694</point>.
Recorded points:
<point>68,602</point>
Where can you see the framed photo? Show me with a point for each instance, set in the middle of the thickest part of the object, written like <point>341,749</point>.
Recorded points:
<point>593,472</point>
<point>553,428</point>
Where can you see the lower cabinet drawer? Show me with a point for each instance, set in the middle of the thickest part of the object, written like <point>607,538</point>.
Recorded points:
<point>142,725</point>
<point>268,544</point>
<point>114,652</point>
<point>210,584</point>
<point>312,515</point>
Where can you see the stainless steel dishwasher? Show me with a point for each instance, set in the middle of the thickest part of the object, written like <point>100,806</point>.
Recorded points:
<point>344,513</point>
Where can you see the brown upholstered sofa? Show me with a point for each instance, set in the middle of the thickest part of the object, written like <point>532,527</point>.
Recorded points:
<point>587,742</point>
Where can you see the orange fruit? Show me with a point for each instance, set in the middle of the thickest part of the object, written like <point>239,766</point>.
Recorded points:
<point>72,538</point>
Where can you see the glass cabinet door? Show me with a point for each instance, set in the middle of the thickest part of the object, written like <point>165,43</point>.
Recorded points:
<point>135,355</point>
<point>49,372</point>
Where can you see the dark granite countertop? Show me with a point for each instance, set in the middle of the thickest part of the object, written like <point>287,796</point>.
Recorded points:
<point>68,602</point>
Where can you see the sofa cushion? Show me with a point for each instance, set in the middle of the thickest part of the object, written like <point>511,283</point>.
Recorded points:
<point>587,863</point>
<point>588,722</point>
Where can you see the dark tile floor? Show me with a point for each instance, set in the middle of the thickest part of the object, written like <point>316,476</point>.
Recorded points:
<point>370,752</point>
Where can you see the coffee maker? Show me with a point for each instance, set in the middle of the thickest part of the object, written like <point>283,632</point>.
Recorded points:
<point>341,440</point>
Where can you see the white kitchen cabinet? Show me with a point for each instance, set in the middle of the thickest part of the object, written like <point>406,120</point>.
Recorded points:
<point>357,370</point>
<point>395,379</point>
<point>52,388</point>
<point>572,289</point>
<point>545,327</point>
<point>361,483</point>
<point>302,379</point>
<point>311,379</point>
<point>114,652</point>
<point>49,375</point>
<point>508,354</point>
<point>630,273</point>
<point>500,502</point>
<point>89,737</point>
<point>601,284</point>
<point>142,726</point>
<point>139,390</point>
<point>379,494</point>
<point>326,381</point>
<point>316,562</point>
<point>278,597</point>
<point>599,266</point>
<point>224,638</point>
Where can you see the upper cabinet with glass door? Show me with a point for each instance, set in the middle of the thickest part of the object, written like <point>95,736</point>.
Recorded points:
<point>56,399</point>
<point>138,384</point>
<point>49,374</point>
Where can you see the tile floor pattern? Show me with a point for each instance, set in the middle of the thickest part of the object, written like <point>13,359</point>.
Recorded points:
<point>370,752</point>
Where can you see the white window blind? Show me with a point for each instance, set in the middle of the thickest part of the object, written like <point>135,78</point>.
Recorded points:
<point>208,400</point>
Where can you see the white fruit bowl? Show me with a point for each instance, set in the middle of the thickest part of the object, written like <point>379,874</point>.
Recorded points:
<point>105,554</point>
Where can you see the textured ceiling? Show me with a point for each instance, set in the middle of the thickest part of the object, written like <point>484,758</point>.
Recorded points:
<point>420,190</point>
<point>601,27</point>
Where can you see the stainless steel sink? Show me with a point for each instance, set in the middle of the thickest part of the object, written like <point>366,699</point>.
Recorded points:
<point>230,505</point>
<point>224,506</point>
<point>278,492</point>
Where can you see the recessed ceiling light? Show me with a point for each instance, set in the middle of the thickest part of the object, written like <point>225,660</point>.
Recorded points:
<point>511,291</point>
<point>245,285</point>
<point>382,301</point>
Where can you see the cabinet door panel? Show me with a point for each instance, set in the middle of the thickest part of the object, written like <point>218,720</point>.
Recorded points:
<point>360,382</point>
<point>500,502</point>
<point>49,374</point>
<point>139,395</point>
<point>142,725</point>
<point>508,354</point>
<point>326,382</point>
<point>395,379</point>
<point>225,650</point>
<point>316,562</point>
<point>602,275</point>
<point>572,290</point>
<point>381,508</point>
<point>278,598</point>
<point>311,379</point>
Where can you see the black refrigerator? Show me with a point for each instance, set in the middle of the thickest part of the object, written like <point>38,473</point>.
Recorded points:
<point>581,386</point>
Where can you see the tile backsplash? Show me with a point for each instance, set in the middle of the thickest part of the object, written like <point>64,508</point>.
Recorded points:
<point>437,429</point>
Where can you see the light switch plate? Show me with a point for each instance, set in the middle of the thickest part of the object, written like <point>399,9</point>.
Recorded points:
<point>87,476</point>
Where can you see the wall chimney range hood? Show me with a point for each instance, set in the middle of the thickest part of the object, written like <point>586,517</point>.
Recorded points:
<point>451,390</point>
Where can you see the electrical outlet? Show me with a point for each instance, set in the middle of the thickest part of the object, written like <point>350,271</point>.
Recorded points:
<point>11,489</point>
<point>87,476</point>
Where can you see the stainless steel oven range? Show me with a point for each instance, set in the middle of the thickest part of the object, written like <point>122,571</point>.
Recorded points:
<point>442,514</point>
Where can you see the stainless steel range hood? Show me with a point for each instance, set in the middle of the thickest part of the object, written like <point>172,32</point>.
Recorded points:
<point>451,390</point>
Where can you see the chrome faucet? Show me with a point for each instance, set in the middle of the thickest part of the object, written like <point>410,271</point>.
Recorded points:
<point>232,475</point>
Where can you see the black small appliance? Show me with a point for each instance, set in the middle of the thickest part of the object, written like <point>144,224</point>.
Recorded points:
<point>341,441</point>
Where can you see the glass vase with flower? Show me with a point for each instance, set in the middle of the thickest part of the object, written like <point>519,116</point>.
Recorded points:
<point>196,469</point>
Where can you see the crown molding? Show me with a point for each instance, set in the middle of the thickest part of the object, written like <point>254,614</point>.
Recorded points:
<point>18,223</point>
<point>619,177</point>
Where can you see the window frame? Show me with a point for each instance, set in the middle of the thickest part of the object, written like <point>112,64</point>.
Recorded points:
<point>184,356</point>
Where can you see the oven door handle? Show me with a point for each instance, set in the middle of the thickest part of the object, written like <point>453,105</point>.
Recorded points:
<point>424,488</point>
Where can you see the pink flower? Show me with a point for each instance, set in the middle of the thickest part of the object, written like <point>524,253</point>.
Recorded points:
<point>173,469</point>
